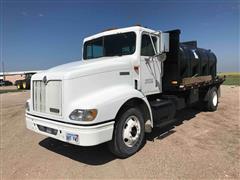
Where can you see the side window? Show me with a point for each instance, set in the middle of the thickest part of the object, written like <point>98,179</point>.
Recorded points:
<point>94,49</point>
<point>146,46</point>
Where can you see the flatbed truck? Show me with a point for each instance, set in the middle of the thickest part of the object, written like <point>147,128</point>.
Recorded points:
<point>129,81</point>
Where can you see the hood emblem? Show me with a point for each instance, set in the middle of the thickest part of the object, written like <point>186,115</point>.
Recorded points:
<point>45,80</point>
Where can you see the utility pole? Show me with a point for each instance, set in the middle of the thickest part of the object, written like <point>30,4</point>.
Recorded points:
<point>3,71</point>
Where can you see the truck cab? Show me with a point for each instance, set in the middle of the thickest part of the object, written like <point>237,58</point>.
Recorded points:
<point>112,95</point>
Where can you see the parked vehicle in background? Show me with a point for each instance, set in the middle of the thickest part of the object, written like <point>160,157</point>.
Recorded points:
<point>5,83</point>
<point>24,83</point>
<point>129,81</point>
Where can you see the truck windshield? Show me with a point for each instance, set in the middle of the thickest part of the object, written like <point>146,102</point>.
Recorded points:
<point>112,45</point>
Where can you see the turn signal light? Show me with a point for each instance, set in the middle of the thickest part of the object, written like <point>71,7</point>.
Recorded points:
<point>136,69</point>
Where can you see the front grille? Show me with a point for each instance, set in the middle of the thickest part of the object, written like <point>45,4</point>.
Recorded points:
<point>39,96</point>
<point>47,98</point>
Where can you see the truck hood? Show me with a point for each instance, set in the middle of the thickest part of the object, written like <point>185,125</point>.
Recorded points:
<point>85,68</point>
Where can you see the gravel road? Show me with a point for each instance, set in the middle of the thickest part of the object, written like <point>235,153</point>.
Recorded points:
<point>201,145</point>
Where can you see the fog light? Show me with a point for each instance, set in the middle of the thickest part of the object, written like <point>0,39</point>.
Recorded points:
<point>83,115</point>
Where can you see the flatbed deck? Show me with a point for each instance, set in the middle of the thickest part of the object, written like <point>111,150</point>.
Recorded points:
<point>200,81</point>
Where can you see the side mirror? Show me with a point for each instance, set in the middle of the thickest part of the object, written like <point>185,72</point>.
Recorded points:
<point>164,42</point>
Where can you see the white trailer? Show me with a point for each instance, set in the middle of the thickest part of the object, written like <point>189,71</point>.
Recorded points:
<point>115,94</point>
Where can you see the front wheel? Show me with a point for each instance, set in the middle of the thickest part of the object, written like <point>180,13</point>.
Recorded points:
<point>128,135</point>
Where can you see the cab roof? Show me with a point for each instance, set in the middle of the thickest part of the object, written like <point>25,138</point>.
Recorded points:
<point>118,30</point>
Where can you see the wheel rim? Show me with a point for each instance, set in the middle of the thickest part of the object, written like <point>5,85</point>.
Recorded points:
<point>215,98</point>
<point>131,131</point>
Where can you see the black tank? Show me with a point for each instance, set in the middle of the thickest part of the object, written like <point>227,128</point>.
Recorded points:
<point>186,60</point>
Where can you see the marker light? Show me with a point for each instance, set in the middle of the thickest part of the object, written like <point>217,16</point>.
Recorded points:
<point>136,69</point>
<point>174,82</point>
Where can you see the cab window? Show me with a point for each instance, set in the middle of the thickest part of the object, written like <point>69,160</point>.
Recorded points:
<point>146,46</point>
<point>111,45</point>
<point>95,49</point>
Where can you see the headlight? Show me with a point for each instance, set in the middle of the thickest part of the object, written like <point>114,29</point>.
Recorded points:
<point>83,115</point>
<point>27,106</point>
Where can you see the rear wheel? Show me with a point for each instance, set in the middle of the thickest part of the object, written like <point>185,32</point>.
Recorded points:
<point>128,134</point>
<point>212,102</point>
<point>24,85</point>
<point>19,86</point>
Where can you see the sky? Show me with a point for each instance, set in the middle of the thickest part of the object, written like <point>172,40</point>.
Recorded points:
<point>40,34</point>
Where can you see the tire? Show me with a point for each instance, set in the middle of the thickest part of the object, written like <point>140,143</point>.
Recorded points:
<point>19,86</point>
<point>128,135</point>
<point>24,85</point>
<point>28,85</point>
<point>212,102</point>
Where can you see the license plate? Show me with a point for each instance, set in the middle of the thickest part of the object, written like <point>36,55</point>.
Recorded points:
<point>72,137</point>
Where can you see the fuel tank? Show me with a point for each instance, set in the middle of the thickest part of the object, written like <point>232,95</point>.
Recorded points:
<point>184,60</point>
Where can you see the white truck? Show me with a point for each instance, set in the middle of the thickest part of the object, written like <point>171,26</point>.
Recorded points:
<point>129,81</point>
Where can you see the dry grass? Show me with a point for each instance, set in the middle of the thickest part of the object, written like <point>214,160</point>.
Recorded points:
<point>232,78</point>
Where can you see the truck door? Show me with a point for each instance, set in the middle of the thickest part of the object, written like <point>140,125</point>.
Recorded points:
<point>150,66</point>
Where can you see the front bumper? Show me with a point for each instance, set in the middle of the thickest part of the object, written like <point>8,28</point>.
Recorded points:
<point>86,135</point>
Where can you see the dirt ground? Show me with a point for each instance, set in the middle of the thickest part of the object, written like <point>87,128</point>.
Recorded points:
<point>201,145</point>
<point>8,87</point>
